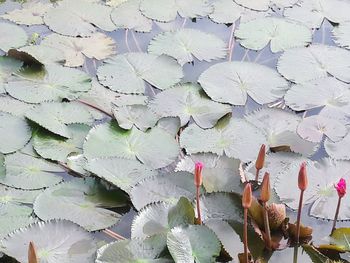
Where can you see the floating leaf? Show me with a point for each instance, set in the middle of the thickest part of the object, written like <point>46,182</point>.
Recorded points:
<point>224,139</point>
<point>127,73</point>
<point>81,15</point>
<point>316,61</point>
<point>13,36</point>
<point>37,55</point>
<point>53,147</point>
<point>79,197</point>
<point>120,172</point>
<point>264,5</point>
<point>127,15</point>
<point>134,250</point>
<point>74,50</point>
<point>166,187</point>
<point>77,164</point>
<point>13,106</point>
<point>282,34</point>
<point>338,150</point>
<point>340,239</point>
<point>220,174</point>
<point>341,34</point>
<point>170,125</point>
<point>67,242</point>
<point>314,127</point>
<point>28,172</point>
<point>166,10</point>
<point>322,176</point>
<point>187,44</point>
<point>231,82</point>
<point>57,84</point>
<point>56,116</point>
<point>280,128</point>
<point>227,11</point>
<point>8,224</point>
<point>312,12</point>
<point>315,255</point>
<point>14,133</point>
<point>193,244</point>
<point>155,148</point>
<point>223,206</point>
<point>30,14</point>
<point>186,101</point>
<point>7,67</point>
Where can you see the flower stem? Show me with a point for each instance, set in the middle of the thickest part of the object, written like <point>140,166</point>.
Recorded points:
<point>336,214</point>
<point>267,227</point>
<point>198,205</point>
<point>257,175</point>
<point>245,235</point>
<point>299,214</point>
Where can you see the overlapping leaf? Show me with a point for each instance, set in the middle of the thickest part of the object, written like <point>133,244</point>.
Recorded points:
<point>15,107</point>
<point>224,138</point>
<point>264,5</point>
<point>281,33</point>
<point>127,73</point>
<point>7,67</point>
<point>155,148</point>
<point>231,82</point>
<point>13,36</point>
<point>167,10</point>
<point>186,45</point>
<point>79,197</point>
<point>186,101</point>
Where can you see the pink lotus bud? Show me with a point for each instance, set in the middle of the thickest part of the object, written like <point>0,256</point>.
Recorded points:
<point>341,187</point>
<point>198,179</point>
<point>302,179</point>
<point>260,160</point>
<point>247,196</point>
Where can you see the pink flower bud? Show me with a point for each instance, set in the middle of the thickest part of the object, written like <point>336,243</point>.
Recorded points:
<point>302,179</point>
<point>341,187</point>
<point>260,160</point>
<point>198,179</point>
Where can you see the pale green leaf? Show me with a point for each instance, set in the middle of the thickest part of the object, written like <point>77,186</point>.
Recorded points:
<point>12,36</point>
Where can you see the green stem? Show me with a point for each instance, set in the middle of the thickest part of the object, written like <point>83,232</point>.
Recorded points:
<point>198,205</point>
<point>267,227</point>
<point>245,235</point>
<point>336,214</point>
<point>257,175</point>
<point>299,214</point>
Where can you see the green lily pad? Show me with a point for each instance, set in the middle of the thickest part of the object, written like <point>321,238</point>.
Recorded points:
<point>224,139</point>
<point>155,148</point>
<point>183,244</point>
<point>13,36</point>
<point>341,35</point>
<point>167,10</point>
<point>67,243</point>
<point>340,239</point>
<point>282,34</point>
<point>339,149</point>
<point>57,84</point>
<point>7,67</point>
<point>53,147</point>
<point>9,224</point>
<point>127,15</point>
<point>79,197</point>
<point>12,106</point>
<point>231,82</point>
<point>74,50</point>
<point>129,72</point>
<point>28,172</point>
<point>264,5</point>
<point>121,173</point>
<point>186,45</point>
<point>56,116</point>
<point>186,101</point>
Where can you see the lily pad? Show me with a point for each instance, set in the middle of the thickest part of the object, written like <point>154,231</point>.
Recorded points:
<point>129,72</point>
<point>231,82</point>
<point>79,197</point>
<point>13,36</point>
<point>57,84</point>
<point>8,224</point>
<point>15,107</point>
<point>183,244</point>
<point>37,55</point>
<point>186,45</point>
<point>74,50</point>
<point>167,10</point>
<point>340,239</point>
<point>56,116</point>
<point>316,61</point>
<point>167,188</point>
<point>186,101</point>
<point>339,149</point>
<point>67,243</point>
<point>7,67</point>
<point>155,148</point>
<point>53,147</point>
<point>224,139</point>
<point>280,128</point>
<point>127,15</point>
<point>28,172</point>
<point>281,33</point>
<point>220,173</point>
<point>341,34</point>
<point>82,16</point>
<point>313,12</point>
<point>14,133</point>
<point>121,173</point>
<point>30,13</point>
<point>264,5</point>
